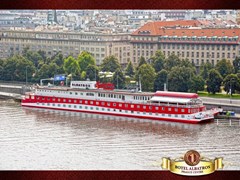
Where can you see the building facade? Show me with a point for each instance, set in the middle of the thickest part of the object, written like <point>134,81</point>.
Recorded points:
<point>187,39</point>
<point>68,43</point>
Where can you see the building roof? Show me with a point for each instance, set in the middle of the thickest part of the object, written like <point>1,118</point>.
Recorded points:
<point>182,28</point>
<point>156,27</point>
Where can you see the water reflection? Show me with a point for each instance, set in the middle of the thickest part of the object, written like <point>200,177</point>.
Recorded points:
<point>112,123</point>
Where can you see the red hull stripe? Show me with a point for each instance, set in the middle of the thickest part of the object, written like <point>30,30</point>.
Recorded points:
<point>176,94</point>
<point>129,115</point>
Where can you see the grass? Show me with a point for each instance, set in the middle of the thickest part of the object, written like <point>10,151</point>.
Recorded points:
<point>218,95</point>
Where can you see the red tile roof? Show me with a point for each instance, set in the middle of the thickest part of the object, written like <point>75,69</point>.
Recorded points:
<point>163,28</point>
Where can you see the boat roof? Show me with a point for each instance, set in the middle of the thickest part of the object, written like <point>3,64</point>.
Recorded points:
<point>170,99</point>
<point>115,91</point>
<point>176,94</point>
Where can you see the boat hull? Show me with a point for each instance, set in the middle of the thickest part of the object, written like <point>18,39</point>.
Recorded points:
<point>115,113</point>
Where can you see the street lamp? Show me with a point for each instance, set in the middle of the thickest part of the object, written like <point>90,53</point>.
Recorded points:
<point>26,75</point>
<point>231,90</point>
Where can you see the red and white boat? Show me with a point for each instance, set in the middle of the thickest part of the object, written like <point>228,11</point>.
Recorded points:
<point>94,97</point>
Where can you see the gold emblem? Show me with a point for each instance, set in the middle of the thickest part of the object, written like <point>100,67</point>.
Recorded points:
<point>192,164</point>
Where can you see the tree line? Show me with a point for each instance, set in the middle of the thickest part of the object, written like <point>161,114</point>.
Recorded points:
<point>177,74</point>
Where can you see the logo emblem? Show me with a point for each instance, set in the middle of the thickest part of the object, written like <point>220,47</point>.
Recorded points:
<point>192,164</point>
<point>192,158</point>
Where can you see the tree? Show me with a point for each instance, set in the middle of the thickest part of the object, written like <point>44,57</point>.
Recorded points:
<point>118,79</point>
<point>171,62</point>
<point>179,79</point>
<point>232,82</point>
<point>158,61</point>
<point>58,59</point>
<point>197,84</point>
<point>92,73</point>
<point>236,64</point>
<point>47,71</point>
<point>129,69</point>
<point>110,64</point>
<point>214,81</point>
<point>71,66</point>
<point>85,59</point>
<point>141,62</point>
<point>224,67</point>
<point>204,70</point>
<point>16,67</point>
<point>161,78</point>
<point>147,74</point>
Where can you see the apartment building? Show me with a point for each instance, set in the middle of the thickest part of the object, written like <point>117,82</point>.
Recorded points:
<point>68,43</point>
<point>187,39</point>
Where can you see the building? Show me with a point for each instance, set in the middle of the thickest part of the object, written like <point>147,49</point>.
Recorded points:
<point>189,39</point>
<point>68,43</point>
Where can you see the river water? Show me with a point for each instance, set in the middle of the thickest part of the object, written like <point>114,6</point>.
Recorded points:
<point>34,139</point>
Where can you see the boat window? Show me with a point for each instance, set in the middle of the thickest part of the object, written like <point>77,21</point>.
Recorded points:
<point>132,112</point>
<point>75,106</point>
<point>120,105</point>
<point>70,92</point>
<point>43,98</point>
<point>126,105</point>
<point>86,102</point>
<point>163,108</point>
<point>138,106</point>
<point>69,106</point>
<point>176,109</point>
<point>64,100</point>
<point>53,99</point>
<point>97,108</point>
<point>182,110</point>
<point>91,102</point>
<point>108,104</point>
<point>156,108</point>
<point>182,116</point>
<point>144,107</point>
<point>76,93</point>
<point>97,103</point>
<point>80,107</point>
<point>86,107</point>
<point>75,101</point>
<point>169,109</point>
<point>114,104</point>
<point>80,101</point>
<point>103,103</point>
<point>126,111</point>
<point>69,100</point>
<point>59,105</point>
<point>150,107</point>
<point>132,106</point>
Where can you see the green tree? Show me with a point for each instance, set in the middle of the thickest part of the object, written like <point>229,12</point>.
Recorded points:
<point>92,73</point>
<point>16,67</point>
<point>214,81</point>
<point>160,79</point>
<point>197,84</point>
<point>110,64</point>
<point>34,57</point>
<point>141,62</point>
<point>171,62</point>
<point>224,67</point>
<point>129,69</point>
<point>58,59</point>
<point>147,74</point>
<point>179,79</point>
<point>47,71</point>
<point>85,59</point>
<point>118,79</point>
<point>204,70</point>
<point>158,61</point>
<point>232,82</point>
<point>71,66</point>
<point>236,64</point>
